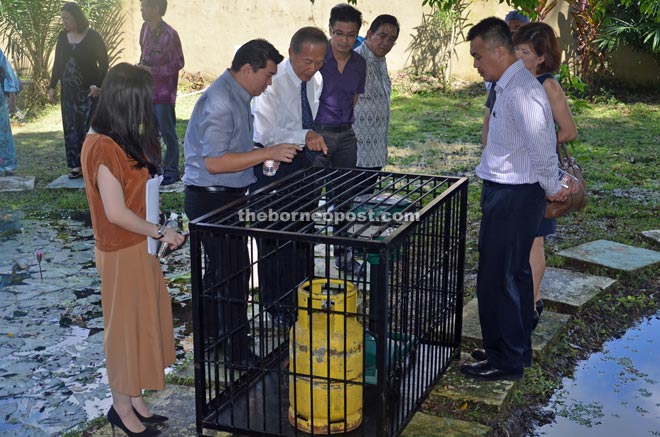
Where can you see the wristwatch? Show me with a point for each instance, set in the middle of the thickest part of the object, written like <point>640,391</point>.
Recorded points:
<point>161,232</point>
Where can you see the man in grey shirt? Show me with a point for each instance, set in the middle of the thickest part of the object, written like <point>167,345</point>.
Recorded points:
<point>219,156</point>
<point>519,172</point>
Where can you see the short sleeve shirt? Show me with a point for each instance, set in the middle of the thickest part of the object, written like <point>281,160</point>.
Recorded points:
<point>100,150</point>
<point>339,89</point>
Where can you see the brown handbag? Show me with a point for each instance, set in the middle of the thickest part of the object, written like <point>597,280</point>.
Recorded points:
<point>575,202</point>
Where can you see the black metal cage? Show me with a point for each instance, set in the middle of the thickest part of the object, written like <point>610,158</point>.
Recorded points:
<point>327,302</point>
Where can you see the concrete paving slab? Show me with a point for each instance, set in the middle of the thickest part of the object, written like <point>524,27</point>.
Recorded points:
<point>16,183</point>
<point>612,255</point>
<point>549,326</point>
<point>10,223</point>
<point>454,389</point>
<point>64,182</point>
<point>176,187</point>
<point>427,425</point>
<point>653,235</point>
<point>176,402</point>
<point>567,291</point>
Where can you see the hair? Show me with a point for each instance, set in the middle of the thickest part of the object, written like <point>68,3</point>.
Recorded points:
<point>542,39</point>
<point>162,5</point>
<point>494,32</point>
<point>346,14</point>
<point>82,23</point>
<point>257,53</point>
<point>516,15</point>
<point>384,19</point>
<point>124,113</point>
<point>312,35</point>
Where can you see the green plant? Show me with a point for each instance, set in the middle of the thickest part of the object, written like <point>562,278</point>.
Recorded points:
<point>30,30</point>
<point>31,27</point>
<point>433,45</point>
<point>574,88</point>
<point>637,303</point>
<point>537,10</point>
<point>107,18</point>
<point>590,60</point>
<point>650,8</point>
<point>629,25</point>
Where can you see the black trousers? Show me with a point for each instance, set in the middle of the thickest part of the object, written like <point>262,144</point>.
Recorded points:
<point>342,153</point>
<point>511,216</point>
<point>283,264</point>
<point>226,277</point>
<point>342,149</point>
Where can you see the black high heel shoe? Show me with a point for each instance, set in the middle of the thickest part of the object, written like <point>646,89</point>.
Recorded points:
<point>114,419</point>
<point>154,418</point>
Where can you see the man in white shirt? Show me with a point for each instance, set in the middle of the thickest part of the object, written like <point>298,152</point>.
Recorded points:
<point>284,113</point>
<point>519,172</point>
<point>278,112</point>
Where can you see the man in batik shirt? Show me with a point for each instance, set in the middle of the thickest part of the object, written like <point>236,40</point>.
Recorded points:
<point>162,56</point>
<point>372,112</point>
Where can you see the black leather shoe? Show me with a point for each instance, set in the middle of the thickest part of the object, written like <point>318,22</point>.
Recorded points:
<point>169,180</point>
<point>114,419</point>
<point>538,309</point>
<point>350,267</point>
<point>479,354</point>
<point>484,371</point>
<point>154,418</point>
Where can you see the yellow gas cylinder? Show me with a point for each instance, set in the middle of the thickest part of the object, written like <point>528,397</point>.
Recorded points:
<point>326,359</point>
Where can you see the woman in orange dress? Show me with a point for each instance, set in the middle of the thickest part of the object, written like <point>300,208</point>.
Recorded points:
<point>121,152</point>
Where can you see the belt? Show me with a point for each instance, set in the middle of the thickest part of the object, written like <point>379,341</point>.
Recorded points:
<point>216,189</point>
<point>333,127</point>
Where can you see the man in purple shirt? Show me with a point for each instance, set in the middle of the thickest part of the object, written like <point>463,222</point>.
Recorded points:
<point>344,74</point>
<point>162,56</point>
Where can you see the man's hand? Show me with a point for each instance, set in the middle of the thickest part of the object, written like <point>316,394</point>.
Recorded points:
<point>283,152</point>
<point>11,102</point>
<point>559,196</point>
<point>94,91</point>
<point>562,195</point>
<point>52,96</point>
<point>144,67</point>
<point>315,142</point>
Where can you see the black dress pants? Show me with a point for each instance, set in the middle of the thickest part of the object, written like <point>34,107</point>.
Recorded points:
<point>283,264</point>
<point>511,216</point>
<point>226,277</point>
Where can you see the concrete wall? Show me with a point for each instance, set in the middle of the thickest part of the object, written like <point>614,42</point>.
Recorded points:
<point>211,30</point>
<point>558,18</point>
<point>636,68</point>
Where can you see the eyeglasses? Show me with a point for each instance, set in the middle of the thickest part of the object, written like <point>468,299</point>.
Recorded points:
<point>340,34</point>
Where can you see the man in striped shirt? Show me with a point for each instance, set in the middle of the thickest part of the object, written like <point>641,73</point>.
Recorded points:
<point>519,172</point>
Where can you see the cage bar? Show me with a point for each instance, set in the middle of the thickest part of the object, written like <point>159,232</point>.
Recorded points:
<point>286,343</point>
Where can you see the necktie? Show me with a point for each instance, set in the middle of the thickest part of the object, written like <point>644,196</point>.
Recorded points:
<point>307,119</point>
<point>492,95</point>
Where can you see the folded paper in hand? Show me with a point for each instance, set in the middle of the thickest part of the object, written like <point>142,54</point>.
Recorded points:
<point>153,209</point>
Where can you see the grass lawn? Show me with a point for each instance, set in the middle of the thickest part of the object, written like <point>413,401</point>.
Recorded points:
<point>438,133</point>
